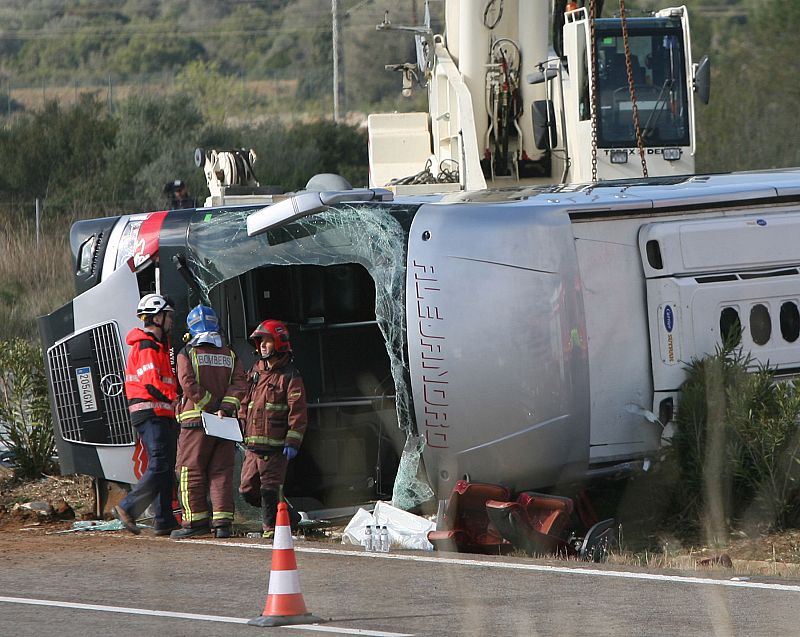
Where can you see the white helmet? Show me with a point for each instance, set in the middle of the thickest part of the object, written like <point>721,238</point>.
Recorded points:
<point>153,304</point>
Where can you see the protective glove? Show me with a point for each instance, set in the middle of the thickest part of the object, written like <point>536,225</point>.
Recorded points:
<point>290,452</point>
<point>227,410</point>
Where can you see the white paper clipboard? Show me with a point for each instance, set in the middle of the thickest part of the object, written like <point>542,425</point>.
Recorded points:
<point>225,427</point>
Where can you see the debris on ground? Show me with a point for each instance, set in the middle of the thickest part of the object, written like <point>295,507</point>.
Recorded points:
<point>51,499</point>
<point>757,553</point>
<point>93,525</point>
<point>723,560</point>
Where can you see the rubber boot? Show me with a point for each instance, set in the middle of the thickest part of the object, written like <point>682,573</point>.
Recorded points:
<point>221,530</point>
<point>269,510</point>
<point>186,532</point>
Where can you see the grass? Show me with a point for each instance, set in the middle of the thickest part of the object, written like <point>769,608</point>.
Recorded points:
<point>35,279</point>
<point>688,561</point>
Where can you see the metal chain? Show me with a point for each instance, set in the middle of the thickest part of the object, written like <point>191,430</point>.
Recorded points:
<point>631,87</point>
<point>593,58</point>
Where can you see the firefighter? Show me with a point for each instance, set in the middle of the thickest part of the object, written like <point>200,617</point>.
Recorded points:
<point>275,418</point>
<point>151,388</point>
<point>213,381</point>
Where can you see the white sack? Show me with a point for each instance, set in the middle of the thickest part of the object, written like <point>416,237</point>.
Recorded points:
<point>406,530</point>
<point>354,531</point>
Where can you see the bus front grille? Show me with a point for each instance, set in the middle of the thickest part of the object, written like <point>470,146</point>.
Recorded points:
<point>87,374</point>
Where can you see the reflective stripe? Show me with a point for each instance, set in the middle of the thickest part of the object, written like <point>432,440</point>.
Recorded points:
<point>189,414</point>
<point>263,440</point>
<point>149,405</point>
<point>294,434</point>
<point>222,515</point>
<point>232,400</point>
<point>283,538</point>
<point>135,379</point>
<point>195,366</point>
<point>183,491</point>
<point>204,400</point>
<point>283,583</point>
<point>145,368</point>
<point>277,406</point>
<point>183,488</point>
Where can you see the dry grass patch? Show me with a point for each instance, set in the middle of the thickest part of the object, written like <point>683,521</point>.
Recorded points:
<point>35,278</point>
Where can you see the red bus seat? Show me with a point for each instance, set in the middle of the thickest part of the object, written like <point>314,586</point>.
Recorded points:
<point>534,523</point>
<point>468,528</point>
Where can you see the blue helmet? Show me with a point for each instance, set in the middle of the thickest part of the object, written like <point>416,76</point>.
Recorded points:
<point>202,319</point>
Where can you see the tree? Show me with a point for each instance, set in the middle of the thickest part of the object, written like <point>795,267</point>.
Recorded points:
<point>299,152</point>
<point>57,153</point>
<point>155,143</point>
<point>216,94</point>
<point>155,51</point>
<point>754,92</point>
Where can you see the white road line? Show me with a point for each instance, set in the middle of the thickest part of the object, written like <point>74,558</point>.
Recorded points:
<point>347,631</point>
<point>563,570</point>
<point>206,618</point>
<point>123,609</point>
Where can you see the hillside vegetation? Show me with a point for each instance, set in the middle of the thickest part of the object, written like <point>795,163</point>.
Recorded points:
<point>103,101</point>
<point>153,44</point>
<point>245,61</point>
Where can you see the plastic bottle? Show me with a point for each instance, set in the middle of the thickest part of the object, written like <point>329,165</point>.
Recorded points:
<point>368,541</point>
<point>385,543</point>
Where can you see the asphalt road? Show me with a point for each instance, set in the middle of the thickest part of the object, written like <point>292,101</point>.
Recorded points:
<point>113,583</point>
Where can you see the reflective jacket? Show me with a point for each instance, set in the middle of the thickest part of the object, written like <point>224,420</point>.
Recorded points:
<point>275,410</point>
<point>150,384</point>
<point>212,378</point>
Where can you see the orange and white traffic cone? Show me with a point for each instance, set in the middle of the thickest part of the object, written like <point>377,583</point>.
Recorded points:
<point>285,603</point>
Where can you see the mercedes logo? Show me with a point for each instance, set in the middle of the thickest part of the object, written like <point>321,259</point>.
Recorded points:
<point>111,384</point>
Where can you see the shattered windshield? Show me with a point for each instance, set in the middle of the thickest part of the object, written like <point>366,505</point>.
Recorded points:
<point>374,236</point>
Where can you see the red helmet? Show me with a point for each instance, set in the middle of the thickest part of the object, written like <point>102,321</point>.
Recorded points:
<point>277,330</point>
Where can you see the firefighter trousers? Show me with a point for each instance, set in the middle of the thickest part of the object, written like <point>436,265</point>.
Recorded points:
<point>259,474</point>
<point>205,472</point>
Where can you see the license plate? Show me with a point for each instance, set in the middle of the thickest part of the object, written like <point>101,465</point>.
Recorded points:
<point>86,389</point>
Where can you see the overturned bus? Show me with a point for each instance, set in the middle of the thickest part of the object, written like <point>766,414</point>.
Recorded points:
<point>531,337</point>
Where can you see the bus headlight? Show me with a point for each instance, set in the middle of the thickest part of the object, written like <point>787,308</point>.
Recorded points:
<point>671,154</point>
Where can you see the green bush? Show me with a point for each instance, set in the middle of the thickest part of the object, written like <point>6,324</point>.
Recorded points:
<point>26,426</point>
<point>736,447</point>
<point>767,447</point>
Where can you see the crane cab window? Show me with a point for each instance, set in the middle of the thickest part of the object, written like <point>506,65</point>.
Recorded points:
<point>658,70</point>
